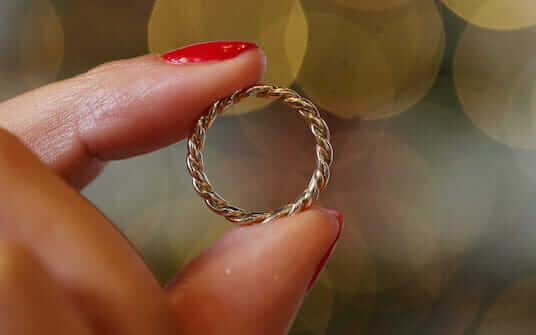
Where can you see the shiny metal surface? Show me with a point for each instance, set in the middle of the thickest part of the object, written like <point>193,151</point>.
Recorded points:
<point>324,156</point>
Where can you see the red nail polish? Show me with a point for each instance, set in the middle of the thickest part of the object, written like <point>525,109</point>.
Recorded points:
<point>208,52</point>
<point>324,259</point>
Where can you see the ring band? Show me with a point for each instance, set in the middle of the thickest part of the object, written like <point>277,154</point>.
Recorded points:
<point>324,156</point>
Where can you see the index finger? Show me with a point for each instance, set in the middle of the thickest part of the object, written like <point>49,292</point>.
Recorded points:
<point>128,107</point>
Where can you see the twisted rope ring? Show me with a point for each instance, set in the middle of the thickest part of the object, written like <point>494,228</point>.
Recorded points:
<point>324,156</point>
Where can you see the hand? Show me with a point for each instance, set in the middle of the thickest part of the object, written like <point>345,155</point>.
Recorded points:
<point>65,269</point>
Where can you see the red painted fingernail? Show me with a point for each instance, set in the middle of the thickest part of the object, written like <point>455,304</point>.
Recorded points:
<point>325,259</point>
<point>208,52</point>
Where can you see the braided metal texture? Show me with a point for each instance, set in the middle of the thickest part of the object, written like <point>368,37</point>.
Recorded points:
<point>324,156</point>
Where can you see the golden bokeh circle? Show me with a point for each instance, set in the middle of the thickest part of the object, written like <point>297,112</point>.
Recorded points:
<point>279,27</point>
<point>42,34</point>
<point>372,5</point>
<point>494,76</point>
<point>429,48</point>
<point>345,71</point>
<point>372,65</point>
<point>495,14</point>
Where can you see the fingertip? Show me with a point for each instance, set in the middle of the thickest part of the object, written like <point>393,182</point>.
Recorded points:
<point>262,272</point>
<point>247,55</point>
<point>330,218</point>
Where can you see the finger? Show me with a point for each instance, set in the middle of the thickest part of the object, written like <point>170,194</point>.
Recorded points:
<point>126,107</point>
<point>30,300</point>
<point>253,280</point>
<point>104,276</point>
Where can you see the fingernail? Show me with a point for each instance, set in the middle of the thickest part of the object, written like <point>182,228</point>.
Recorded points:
<point>208,52</point>
<point>325,258</point>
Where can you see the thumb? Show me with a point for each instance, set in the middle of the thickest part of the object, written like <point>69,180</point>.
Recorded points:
<point>253,279</point>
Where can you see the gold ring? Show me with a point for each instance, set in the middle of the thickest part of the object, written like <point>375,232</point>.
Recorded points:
<point>324,156</point>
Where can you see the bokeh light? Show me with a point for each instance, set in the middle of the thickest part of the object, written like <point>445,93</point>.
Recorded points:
<point>345,71</point>
<point>371,65</point>
<point>32,38</point>
<point>41,35</point>
<point>494,76</point>
<point>495,14</point>
<point>366,5</point>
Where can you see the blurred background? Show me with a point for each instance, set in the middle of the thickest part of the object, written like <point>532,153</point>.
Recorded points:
<point>431,105</point>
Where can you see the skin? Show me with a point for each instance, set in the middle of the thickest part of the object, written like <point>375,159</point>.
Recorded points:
<point>65,269</point>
